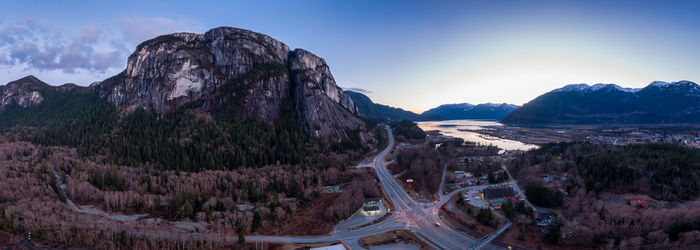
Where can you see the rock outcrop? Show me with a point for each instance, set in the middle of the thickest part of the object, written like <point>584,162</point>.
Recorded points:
<point>230,70</point>
<point>323,107</point>
<point>25,92</point>
<point>166,72</point>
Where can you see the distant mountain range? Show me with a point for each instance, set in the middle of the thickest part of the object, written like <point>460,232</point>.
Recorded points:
<point>486,111</point>
<point>379,112</point>
<point>657,103</point>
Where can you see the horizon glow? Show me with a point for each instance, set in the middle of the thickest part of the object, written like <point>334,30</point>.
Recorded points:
<point>413,55</point>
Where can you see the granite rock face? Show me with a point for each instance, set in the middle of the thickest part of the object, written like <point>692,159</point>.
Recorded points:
<point>323,107</point>
<point>25,92</point>
<point>234,70</point>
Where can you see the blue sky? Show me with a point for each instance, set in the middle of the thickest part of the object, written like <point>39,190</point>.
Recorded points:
<point>414,55</point>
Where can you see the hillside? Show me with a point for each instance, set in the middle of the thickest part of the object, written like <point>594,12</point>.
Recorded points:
<point>378,112</point>
<point>657,103</point>
<point>223,99</point>
<point>485,111</point>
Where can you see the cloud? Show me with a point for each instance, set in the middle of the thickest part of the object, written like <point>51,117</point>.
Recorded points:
<point>96,49</point>
<point>37,46</point>
<point>359,90</point>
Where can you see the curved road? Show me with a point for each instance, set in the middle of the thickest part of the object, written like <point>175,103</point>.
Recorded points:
<point>420,218</point>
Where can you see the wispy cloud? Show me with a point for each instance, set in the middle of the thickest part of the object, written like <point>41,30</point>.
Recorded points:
<point>359,90</point>
<point>31,46</point>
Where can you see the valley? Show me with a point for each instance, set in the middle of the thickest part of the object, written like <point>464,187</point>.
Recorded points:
<point>230,139</point>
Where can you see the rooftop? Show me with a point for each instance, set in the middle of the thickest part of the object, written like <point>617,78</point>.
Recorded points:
<point>368,200</point>
<point>498,193</point>
<point>639,203</point>
<point>370,208</point>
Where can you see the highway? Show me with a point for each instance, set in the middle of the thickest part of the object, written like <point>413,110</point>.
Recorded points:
<point>420,218</point>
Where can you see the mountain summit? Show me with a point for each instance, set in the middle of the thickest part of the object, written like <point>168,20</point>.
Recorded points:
<point>231,71</point>
<point>228,73</point>
<point>24,92</point>
<point>658,102</point>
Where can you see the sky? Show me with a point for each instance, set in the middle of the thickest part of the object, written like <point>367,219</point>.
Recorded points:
<point>410,54</point>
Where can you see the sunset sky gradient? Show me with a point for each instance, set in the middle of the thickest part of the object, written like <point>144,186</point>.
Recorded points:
<point>414,55</point>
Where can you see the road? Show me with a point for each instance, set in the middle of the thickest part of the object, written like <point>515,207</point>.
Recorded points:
<point>518,190</point>
<point>420,218</point>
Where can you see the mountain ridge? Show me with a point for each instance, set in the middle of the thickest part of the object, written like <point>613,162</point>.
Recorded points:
<point>657,103</point>
<point>223,99</point>
<point>486,111</point>
<point>379,112</point>
<point>227,72</point>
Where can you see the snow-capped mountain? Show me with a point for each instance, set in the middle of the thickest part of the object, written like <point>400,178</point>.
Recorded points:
<point>658,102</point>
<point>582,87</point>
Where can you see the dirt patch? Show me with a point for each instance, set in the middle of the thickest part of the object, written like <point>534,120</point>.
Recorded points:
<point>309,220</point>
<point>390,237</point>
<point>523,235</point>
<point>609,197</point>
<point>415,190</point>
<point>395,168</point>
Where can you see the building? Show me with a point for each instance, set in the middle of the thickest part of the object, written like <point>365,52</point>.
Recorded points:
<point>371,210</point>
<point>512,199</point>
<point>371,207</point>
<point>498,193</point>
<point>458,177</point>
<point>244,207</point>
<point>371,202</point>
<point>543,219</point>
<point>639,203</point>
<point>497,203</point>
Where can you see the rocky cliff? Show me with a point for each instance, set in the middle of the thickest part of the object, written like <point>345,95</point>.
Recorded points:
<point>25,92</point>
<point>322,106</point>
<point>233,71</point>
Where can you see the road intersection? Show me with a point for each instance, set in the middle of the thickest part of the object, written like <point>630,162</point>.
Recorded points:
<point>421,218</point>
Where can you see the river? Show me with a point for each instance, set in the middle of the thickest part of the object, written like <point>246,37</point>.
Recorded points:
<point>459,129</point>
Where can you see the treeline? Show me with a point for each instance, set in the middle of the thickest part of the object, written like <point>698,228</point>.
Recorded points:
<point>594,217</point>
<point>543,196</point>
<point>186,140</point>
<point>76,118</point>
<point>407,130</point>
<point>424,166</point>
<point>664,171</point>
<point>273,195</point>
